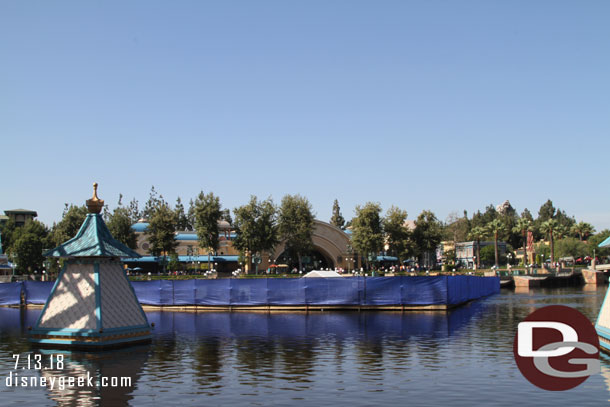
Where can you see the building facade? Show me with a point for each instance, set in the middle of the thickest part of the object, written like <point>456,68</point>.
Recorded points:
<point>19,216</point>
<point>466,252</point>
<point>331,249</point>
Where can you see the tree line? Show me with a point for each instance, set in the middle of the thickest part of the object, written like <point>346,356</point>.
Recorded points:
<point>260,225</point>
<point>565,236</point>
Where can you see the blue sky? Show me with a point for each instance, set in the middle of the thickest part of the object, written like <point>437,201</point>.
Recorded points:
<point>440,105</point>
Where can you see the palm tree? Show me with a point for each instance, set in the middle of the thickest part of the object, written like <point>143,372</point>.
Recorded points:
<point>477,233</point>
<point>523,226</point>
<point>560,231</point>
<point>583,230</point>
<point>495,227</point>
<point>547,228</point>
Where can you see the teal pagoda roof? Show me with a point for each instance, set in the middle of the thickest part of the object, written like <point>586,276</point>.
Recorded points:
<point>605,243</point>
<point>93,238</point>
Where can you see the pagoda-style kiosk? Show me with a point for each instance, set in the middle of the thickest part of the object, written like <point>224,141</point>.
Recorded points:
<point>92,304</point>
<point>602,325</point>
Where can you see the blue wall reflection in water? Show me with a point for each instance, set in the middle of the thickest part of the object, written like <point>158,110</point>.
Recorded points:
<point>303,325</point>
<point>461,358</point>
<point>205,348</point>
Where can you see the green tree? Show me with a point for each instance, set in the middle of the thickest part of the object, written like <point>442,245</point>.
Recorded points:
<point>449,256</point>
<point>488,255</point>
<point>226,216</point>
<point>296,224</point>
<point>546,211</point>
<point>256,227</point>
<point>190,214</point>
<point>161,230</point>
<point>522,226</point>
<point>119,224</point>
<point>543,251</point>
<point>367,231</point>
<point>561,231</point>
<point>134,211</point>
<point>427,234</point>
<point>397,235</point>
<point>495,228</point>
<point>566,221</point>
<point>456,228</point>
<point>593,248</point>
<point>6,233</point>
<point>476,234</point>
<point>182,221</point>
<point>526,214</point>
<point>548,227</point>
<point>72,219</point>
<point>174,262</point>
<point>482,219</point>
<point>155,200</point>
<point>570,247</point>
<point>583,230</point>
<point>337,219</point>
<point>29,241</point>
<point>207,216</point>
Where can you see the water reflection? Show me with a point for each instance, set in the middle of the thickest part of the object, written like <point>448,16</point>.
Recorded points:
<point>113,375</point>
<point>343,325</point>
<point>289,347</point>
<point>366,358</point>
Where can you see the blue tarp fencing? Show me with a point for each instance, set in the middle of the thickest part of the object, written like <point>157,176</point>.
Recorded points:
<point>10,293</point>
<point>422,290</point>
<point>37,292</point>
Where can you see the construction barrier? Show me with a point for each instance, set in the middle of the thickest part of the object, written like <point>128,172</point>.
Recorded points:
<point>37,292</point>
<point>363,291</point>
<point>352,291</point>
<point>10,293</point>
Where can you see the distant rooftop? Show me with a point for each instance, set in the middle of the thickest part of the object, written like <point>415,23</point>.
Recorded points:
<point>20,212</point>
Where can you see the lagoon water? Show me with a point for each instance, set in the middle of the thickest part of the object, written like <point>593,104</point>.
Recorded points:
<point>460,358</point>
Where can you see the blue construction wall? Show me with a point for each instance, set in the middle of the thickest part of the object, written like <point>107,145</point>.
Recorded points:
<point>448,290</point>
<point>10,293</point>
<point>365,291</point>
<point>37,292</point>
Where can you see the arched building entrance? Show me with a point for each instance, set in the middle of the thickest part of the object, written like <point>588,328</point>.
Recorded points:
<point>330,249</point>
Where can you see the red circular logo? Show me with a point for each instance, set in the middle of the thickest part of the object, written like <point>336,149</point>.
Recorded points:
<point>556,348</point>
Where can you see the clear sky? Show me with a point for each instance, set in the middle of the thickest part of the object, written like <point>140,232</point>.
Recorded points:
<point>440,105</point>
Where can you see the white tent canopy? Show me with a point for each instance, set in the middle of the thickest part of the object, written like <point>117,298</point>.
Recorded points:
<point>322,273</point>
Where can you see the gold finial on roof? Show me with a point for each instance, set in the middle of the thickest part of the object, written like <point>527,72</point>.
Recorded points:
<point>95,204</point>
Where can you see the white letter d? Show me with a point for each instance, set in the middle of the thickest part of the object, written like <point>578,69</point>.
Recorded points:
<point>526,338</point>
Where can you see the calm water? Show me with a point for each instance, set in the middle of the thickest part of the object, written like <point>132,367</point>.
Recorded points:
<point>357,359</point>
